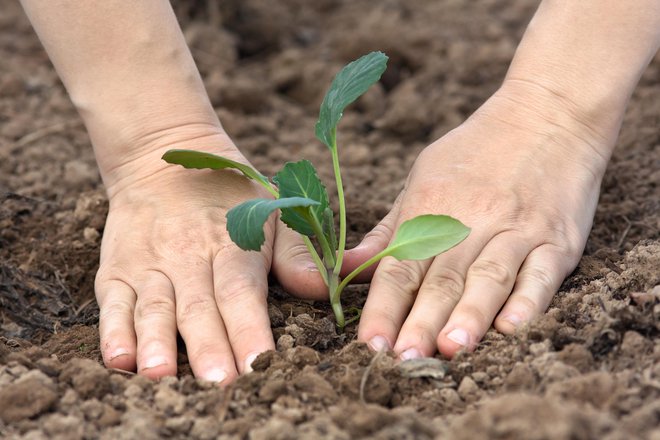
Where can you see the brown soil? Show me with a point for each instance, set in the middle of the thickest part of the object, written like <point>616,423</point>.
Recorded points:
<point>589,368</point>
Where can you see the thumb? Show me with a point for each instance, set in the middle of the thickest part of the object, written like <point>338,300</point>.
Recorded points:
<point>293,265</point>
<point>375,241</point>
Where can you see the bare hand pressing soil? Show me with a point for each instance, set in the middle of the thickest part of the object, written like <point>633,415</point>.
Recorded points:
<point>588,368</point>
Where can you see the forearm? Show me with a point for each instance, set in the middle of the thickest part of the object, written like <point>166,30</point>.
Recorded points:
<point>587,55</point>
<point>128,71</point>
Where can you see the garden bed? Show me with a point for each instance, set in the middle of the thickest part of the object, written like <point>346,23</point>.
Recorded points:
<point>588,368</point>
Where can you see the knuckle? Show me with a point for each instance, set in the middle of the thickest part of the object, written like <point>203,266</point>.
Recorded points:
<point>574,243</point>
<point>529,305</point>
<point>404,276</point>
<point>154,305</point>
<point>241,332</point>
<point>445,284</point>
<point>206,348</point>
<point>116,309</point>
<point>105,276</point>
<point>193,307</point>
<point>538,276</point>
<point>471,316</point>
<point>233,288</point>
<point>294,254</point>
<point>382,232</point>
<point>566,237</point>
<point>425,330</point>
<point>492,271</point>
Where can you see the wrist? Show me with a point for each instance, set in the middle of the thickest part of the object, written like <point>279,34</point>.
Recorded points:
<point>584,117</point>
<point>143,163</point>
<point>538,120</point>
<point>582,61</point>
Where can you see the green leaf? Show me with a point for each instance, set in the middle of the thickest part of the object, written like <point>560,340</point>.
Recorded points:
<point>245,222</point>
<point>299,179</point>
<point>426,236</point>
<point>203,160</point>
<point>351,82</point>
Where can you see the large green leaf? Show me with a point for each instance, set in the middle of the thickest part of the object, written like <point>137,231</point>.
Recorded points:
<point>299,179</point>
<point>351,82</point>
<point>203,160</point>
<point>245,222</point>
<point>426,236</point>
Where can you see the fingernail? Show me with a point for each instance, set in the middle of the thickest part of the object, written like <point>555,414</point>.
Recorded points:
<point>513,318</point>
<point>215,375</point>
<point>154,362</point>
<point>459,336</point>
<point>248,362</point>
<point>379,343</point>
<point>118,352</point>
<point>411,353</point>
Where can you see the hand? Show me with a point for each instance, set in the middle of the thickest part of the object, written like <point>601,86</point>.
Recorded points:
<point>527,184</point>
<point>168,264</point>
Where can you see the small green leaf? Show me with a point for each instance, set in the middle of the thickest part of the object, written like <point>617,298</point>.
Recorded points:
<point>203,160</point>
<point>351,82</point>
<point>245,222</point>
<point>426,236</point>
<point>299,179</point>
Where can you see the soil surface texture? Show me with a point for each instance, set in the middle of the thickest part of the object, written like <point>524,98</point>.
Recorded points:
<point>588,368</point>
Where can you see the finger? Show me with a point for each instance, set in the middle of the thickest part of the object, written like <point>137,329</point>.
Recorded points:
<point>373,242</point>
<point>488,284</point>
<point>116,330</point>
<point>241,289</point>
<point>439,293</point>
<point>293,265</point>
<point>201,326</point>
<point>155,326</point>
<point>539,279</point>
<point>391,296</point>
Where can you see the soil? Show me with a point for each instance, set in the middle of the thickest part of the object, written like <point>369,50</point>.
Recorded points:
<point>588,368</point>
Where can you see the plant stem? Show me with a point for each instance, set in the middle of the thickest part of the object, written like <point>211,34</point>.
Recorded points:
<point>328,252</point>
<point>317,260</point>
<point>359,269</point>
<point>342,204</point>
<point>335,300</point>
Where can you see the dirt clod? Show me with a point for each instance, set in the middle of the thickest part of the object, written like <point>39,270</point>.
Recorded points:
<point>30,395</point>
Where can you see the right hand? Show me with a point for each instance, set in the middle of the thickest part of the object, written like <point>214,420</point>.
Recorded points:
<point>168,265</point>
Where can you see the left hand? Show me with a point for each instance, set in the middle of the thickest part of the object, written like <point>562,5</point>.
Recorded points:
<point>528,186</point>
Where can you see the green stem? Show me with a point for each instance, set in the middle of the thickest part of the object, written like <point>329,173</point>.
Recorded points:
<point>342,204</point>
<point>359,269</point>
<point>317,260</point>
<point>358,313</point>
<point>328,252</point>
<point>335,300</point>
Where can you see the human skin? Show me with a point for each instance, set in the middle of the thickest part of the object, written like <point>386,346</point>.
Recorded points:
<point>167,263</point>
<point>524,172</point>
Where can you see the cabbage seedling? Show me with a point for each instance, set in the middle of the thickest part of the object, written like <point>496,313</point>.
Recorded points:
<point>302,199</point>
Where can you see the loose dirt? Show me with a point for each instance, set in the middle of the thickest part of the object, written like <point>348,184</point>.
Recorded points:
<point>589,368</point>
